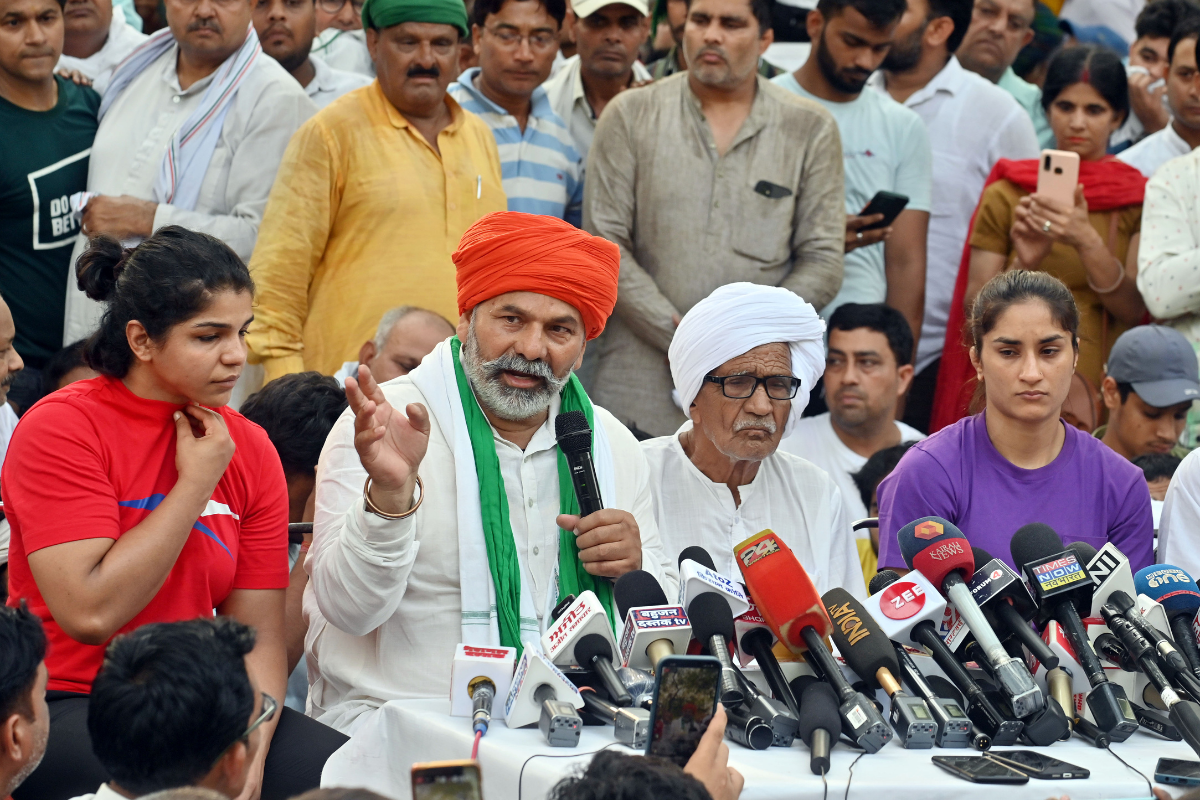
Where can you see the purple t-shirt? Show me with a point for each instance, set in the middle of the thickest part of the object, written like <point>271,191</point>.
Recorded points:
<point>1088,493</point>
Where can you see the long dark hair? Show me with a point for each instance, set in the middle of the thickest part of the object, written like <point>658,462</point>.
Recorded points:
<point>1099,68</point>
<point>165,280</point>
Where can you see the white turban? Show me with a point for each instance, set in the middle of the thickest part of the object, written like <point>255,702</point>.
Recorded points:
<point>737,318</point>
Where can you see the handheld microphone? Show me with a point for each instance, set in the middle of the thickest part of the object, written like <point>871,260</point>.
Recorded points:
<point>1110,571</point>
<point>774,713</point>
<point>1184,714</point>
<point>867,650</point>
<point>582,635</point>
<point>477,675</point>
<point>1006,604</point>
<point>653,629</point>
<point>1177,592</point>
<point>1062,586</point>
<point>747,730</point>
<point>1173,662</point>
<point>574,437</point>
<point>938,549</point>
<point>712,625</point>
<point>541,693</point>
<point>758,641</point>
<point>631,726</point>
<point>697,575</point>
<point>891,588</point>
<point>596,651</point>
<point>788,601</point>
<point>820,724</point>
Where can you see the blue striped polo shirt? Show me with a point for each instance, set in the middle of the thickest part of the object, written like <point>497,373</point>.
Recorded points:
<point>540,169</point>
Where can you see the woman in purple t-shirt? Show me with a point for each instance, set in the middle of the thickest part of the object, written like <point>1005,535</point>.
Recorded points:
<point>1017,462</point>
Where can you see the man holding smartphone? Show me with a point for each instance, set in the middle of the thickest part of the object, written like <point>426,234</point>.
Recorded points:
<point>885,148</point>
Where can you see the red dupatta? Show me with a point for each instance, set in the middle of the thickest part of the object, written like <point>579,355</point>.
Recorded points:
<point>1108,184</point>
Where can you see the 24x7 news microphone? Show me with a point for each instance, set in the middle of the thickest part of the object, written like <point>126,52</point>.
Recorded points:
<point>574,437</point>
<point>1062,586</point>
<point>939,551</point>
<point>788,601</point>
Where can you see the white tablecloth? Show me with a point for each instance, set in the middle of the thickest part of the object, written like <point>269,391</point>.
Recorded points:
<point>383,749</point>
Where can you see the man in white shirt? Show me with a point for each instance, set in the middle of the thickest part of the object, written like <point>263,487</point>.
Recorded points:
<point>406,335</point>
<point>1147,68</point>
<point>1179,524</point>
<point>286,29</point>
<point>743,362</point>
<point>884,148</point>
<point>1182,134</point>
<point>867,370</point>
<point>607,37</point>
<point>192,129</point>
<point>341,41</point>
<point>972,123</point>
<point>10,365</point>
<point>404,566</point>
<point>96,38</point>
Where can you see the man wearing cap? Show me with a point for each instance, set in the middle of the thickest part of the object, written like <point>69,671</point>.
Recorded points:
<point>1149,385</point>
<point>373,196</point>
<point>444,512</point>
<point>743,361</point>
<point>607,37</point>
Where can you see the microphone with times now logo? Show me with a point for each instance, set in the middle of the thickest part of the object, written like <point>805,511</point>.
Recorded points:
<point>653,629</point>
<point>788,601</point>
<point>477,676</point>
<point>1006,603</point>
<point>582,636</point>
<point>938,549</point>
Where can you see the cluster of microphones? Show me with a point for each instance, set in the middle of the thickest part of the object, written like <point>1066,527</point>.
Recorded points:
<point>969,652</point>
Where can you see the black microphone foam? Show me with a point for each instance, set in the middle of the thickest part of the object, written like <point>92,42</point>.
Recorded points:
<point>798,684</point>
<point>637,589</point>
<point>590,647</point>
<point>572,431</point>
<point>981,556</point>
<point>819,711</point>
<point>697,554</point>
<point>860,640</point>
<point>1083,551</point>
<point>1033,541</point>
<point>882,579</point>
<point>710,616</point>
<point>943,687</point>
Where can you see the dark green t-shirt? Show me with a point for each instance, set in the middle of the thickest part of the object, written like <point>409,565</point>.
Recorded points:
<point>43,161</point>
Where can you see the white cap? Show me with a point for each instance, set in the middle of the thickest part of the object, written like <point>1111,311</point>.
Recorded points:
<point>585,8</point>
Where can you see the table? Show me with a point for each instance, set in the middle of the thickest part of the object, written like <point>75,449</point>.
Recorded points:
<point>402,732</point>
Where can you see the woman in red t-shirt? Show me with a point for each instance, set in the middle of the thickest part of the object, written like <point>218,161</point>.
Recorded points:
<point>137,497</point>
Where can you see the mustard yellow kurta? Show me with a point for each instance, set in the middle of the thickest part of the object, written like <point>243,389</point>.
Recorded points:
<point>364,216</point>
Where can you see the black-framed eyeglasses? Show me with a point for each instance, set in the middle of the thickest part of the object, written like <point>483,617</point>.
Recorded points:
<point>334,6</point>
<point>740,387</point>
<point>269,707</point>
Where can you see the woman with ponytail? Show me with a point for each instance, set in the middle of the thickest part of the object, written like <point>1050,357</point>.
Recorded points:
<point>138,497</point>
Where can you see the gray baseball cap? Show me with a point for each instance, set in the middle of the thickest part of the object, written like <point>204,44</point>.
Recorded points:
<point>1159,362</point>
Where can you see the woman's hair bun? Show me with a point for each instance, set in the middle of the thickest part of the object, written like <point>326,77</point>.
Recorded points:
<point>99,267</point>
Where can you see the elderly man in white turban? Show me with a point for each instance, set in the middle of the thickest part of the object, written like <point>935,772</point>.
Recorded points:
<point>744,360</point>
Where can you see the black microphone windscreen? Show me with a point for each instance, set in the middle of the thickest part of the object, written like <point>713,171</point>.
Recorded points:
<point>881,580</point>
<point>697,554</point>
<point>637,589</point>
<point>1083,551</point>
<point>799,683</point>
<point>1033,541</point>
<point>591,646</point>
<point>860,640</point>
<point>710,615</point>
<point>981,556</point>
<point>944,688</point>
<point>566,427</point>
<point>820,711</point>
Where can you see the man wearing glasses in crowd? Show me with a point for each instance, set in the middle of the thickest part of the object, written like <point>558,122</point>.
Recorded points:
<point>516,41</point>
<point>285,30</point>
<point>341,40</point>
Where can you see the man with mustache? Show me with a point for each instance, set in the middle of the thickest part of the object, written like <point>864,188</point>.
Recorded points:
<point>516,41</point>
<point>743,361</point>
<point>708,177</point>
<point>374,194</point>
<point>47,125</point>
<point>192,127</point>
<point>884,148</point>
<point>98,36</point>
<point>868,369</point>
<point>972,123</point>
<point>445,512</point>
<point>286,29</point>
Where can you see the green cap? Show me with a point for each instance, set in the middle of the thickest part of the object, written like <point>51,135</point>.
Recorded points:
<point>379,14</point>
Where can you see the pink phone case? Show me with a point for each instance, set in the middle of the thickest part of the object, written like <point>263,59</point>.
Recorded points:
<point>1058,174</point>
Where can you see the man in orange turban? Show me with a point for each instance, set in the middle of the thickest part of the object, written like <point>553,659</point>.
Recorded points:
<point>483,544</point>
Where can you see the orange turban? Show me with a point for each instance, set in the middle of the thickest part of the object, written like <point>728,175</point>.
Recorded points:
<point>507,251</point>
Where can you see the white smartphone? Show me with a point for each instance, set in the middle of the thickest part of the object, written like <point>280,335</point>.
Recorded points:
<point>1058,175</point>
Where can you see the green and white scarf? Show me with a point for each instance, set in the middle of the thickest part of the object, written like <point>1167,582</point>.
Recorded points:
<point>496,608</point>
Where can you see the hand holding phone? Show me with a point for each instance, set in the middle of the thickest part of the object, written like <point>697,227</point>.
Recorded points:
<point>710,763</point>
<point>685,700</point>
<point>873,224</point>
<point>446,780</point>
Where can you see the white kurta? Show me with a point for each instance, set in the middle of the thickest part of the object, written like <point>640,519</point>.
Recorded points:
<point>1179,525</point>
<point>789,495</point>
<point>383,607</point>
<point>328,84</point>
<point>122,40</point>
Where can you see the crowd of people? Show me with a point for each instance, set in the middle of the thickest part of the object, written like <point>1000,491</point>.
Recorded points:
<point>273,262</point>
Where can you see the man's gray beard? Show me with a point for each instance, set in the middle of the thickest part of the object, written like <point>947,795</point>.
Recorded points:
<point>30,765</point>
<point>508,402</point>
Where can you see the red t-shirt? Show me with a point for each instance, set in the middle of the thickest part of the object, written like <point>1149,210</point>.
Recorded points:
<point>92,461</point>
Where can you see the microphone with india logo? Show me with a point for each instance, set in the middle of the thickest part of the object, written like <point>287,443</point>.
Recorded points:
<point>940,552</point>
<point>788,601</point>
